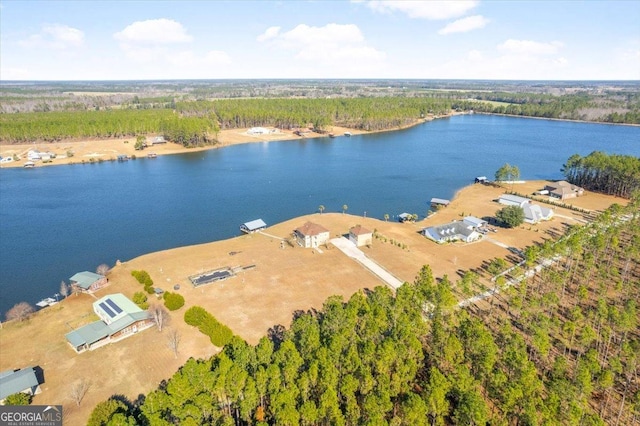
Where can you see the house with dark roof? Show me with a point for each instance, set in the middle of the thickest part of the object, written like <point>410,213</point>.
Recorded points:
<point>311,235</point>
<point>87,282</point>
<point>452,231</point>
<point>253,226</point>
<point>119,318</point>
<point>564,190</point>
<point>18,381</point>
<point>360,236</point>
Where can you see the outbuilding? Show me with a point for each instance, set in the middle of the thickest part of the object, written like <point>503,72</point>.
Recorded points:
<point>87,282</point>
<point>439,203</point>
<point>360,236</point>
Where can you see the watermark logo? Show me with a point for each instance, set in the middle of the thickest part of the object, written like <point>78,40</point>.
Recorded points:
<point>30,415</point>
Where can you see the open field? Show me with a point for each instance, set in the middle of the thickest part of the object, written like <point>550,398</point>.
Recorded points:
<point>284,280</point>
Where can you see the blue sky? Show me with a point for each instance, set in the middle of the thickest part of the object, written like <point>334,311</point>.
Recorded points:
<point>127,40</point>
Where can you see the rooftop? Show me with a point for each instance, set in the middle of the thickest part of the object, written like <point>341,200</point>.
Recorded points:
<point>85,279</point>
<point>16,381</point>
<point>254,224</point>
<point>359,230</point>
<point>310,229</point>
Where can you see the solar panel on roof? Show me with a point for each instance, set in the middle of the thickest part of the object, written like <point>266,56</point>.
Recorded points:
<point>114,306</point>
<point>107,310</point>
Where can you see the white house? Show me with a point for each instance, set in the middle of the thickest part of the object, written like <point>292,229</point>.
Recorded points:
<point>533,213</point>
<point>452,231</point>
<point>474,222</point>
<point>258,131</point>
<point>311,235</point>
<point>33,155</point>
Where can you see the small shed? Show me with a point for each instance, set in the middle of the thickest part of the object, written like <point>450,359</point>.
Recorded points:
<point>158,140</point>
<point>253,226</point>
<point>19,381</point>
<point>360,236</point>
<point>439,203</point>
<point>481,179</point>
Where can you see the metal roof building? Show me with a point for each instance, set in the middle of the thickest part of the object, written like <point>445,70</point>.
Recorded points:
<point>85,279</point>
<point>117,312</point>
<point>253,226</point>
<point>12,382</point>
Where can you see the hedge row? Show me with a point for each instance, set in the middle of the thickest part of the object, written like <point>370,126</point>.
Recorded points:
<point>219,333</point>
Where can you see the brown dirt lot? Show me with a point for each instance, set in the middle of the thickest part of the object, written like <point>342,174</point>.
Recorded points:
<point>284,280</point>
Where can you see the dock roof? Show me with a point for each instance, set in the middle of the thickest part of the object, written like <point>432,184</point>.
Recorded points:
<point>254,225</point>
<point>440,201</point>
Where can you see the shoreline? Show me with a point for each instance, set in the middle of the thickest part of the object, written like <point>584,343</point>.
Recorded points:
<point>91,151</point>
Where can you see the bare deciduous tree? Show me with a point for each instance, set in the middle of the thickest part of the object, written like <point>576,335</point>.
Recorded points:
<point>20,311</point>
<point>103,269</point>
<point>79,390</point>
<point>173,341</point>
<point>159,315</point>
<point>64,289</point>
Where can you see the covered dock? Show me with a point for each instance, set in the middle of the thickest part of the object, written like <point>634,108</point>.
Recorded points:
<point>253,226</point>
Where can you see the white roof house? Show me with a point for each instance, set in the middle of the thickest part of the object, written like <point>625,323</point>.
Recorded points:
<point>452,231</point>
<point>533,213</point>
<point>474,222</point>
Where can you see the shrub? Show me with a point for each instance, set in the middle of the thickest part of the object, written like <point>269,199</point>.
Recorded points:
<point>140,299</point>
<point>143,278</point>
<point>511,216</point>
<point>173,301</point>
<point>18,399</point>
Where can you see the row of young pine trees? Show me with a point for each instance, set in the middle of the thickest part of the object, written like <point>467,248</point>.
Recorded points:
<point>561,347</point>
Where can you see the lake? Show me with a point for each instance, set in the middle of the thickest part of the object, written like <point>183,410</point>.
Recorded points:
<point>56,221</point>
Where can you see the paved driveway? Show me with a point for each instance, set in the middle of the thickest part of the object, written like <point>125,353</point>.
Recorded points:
<point>350,249</point>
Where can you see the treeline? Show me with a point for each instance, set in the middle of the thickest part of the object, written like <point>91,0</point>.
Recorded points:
<point>56,126</point>
<point>561,348</point>
<point>611,174</point>
<point>360,113</point>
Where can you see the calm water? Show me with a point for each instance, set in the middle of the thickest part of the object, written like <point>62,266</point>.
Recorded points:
<point>56,221</point>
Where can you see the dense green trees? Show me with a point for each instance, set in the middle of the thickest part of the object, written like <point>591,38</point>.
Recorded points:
<point>612,174</point>
<point>568,355</point>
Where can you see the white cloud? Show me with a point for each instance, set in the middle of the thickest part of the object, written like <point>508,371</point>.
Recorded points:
<point>329,43</point>
<point>432,10</point>
<point>55,36</point>
<point>464,25</point>
<point>270,33</point>
<point>154,31</point>
<point>528,47</point>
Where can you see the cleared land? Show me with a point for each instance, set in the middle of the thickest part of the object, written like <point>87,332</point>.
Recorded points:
<point>284,280</point>
<point>86,151</point>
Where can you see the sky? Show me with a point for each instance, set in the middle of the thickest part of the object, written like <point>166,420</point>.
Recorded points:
<point>465,39</point>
